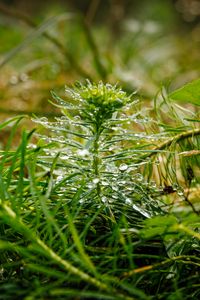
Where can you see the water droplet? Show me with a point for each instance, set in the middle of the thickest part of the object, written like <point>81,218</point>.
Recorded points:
<point>96,180</point>
<point>175,186</point>
<point>180,193</point>
<point>111,200</point>
<point>114,128</point>
<point>64,118</point>
<point>128,201</point>
<point>104,183</point>
<point>59,178</point>
<point>32,146</point>
<point>127,107</point>
<point>61,139</point>
<point>104,199</point>
<point>64,157</point>
<point>115,188</point>
<point>83,152</point>
<point>59,172</point>
<point>129,188</point>
<point>153,184</point>
<point>139,177</point>
<point>42,120</point>
<point>77,118</point>
<point>123,167</point>
<point>122,183</point>
<point>90,186</point>
<point>142,211</point>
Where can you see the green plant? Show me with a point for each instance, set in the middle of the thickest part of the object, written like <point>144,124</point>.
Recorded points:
<point>91,209</point>
<point>92,143</point>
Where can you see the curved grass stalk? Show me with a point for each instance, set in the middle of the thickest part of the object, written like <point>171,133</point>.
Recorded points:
<point>170,141</point>
<point>186,259</point>
<point>178,138</point>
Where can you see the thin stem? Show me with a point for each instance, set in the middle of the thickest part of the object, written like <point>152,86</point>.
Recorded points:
<point>178,138</point>
<point>191,205</point>
<point>96,158</point>
<point>183,258</point>
<point>167,143</point>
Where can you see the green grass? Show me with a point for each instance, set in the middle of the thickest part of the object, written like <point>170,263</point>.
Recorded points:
<point>97,203</point>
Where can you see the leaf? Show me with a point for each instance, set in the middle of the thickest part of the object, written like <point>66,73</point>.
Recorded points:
<point>10,121</point>
<point>188,93</point>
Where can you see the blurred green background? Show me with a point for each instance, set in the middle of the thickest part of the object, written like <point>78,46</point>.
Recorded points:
<point>143,45</point>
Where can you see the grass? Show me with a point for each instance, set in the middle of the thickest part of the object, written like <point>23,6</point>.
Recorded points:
<point>96,204</point>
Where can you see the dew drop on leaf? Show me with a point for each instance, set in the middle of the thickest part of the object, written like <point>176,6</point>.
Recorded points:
<point>128,201</point>
<point>59,178</point>
<point>95,180</point>
<point>123,167</point>
<point>83,152</point>
<point>64,157</point>
<point>104,183</point>
<point>104,199</point>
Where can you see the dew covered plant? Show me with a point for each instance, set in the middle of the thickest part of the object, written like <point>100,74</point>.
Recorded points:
<point>93,144</point>
<point>96,203</point>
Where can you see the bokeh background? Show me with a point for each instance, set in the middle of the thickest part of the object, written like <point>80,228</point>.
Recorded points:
<point>143,45</point>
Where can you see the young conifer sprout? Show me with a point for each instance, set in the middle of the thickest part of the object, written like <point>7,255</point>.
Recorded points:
<point>94,143</point>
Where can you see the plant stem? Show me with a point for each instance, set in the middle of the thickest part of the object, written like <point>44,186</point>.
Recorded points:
<point>183,258</point>
<point>96,159</point>
<point>170,141</point>
<point>177,138</point>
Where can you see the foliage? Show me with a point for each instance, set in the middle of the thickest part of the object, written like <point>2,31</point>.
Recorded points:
<point>189,93</point>
<point>97,204</point>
